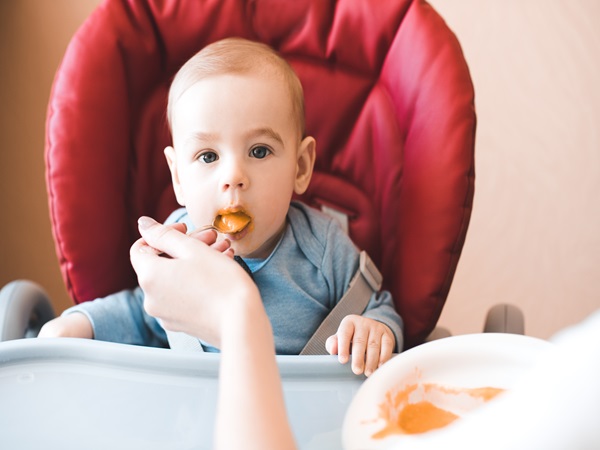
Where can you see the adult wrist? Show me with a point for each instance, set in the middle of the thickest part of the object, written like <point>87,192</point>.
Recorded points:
<point>247,320</point>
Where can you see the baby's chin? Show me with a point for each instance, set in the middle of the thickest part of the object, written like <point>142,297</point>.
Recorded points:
<point>247,251</point>
<point>249,248</point>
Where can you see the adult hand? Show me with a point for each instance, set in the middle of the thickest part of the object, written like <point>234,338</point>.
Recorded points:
<point>187,284</point>
<point>204,293</point>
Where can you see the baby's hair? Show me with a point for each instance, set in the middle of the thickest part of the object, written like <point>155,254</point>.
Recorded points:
<point>236,56</point>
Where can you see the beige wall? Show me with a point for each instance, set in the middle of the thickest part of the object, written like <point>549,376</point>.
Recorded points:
<point>33,38</point>
<point>534,237</point>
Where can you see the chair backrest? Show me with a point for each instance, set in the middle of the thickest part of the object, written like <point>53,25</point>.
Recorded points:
<point>389,99</point>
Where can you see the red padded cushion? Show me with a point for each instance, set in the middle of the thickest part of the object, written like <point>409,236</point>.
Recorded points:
<point>388,98</point>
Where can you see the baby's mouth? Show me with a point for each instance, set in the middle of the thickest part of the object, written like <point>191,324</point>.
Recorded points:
<point>232,222</point>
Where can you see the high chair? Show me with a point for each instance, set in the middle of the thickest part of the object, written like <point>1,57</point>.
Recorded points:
<point>390,101</point>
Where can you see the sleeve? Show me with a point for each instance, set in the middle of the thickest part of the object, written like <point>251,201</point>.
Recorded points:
<point>121,317</point>
<point>381,308</point>
<point>344,257</point>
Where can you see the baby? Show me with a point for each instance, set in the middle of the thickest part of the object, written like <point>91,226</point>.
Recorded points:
<point>239,153</point>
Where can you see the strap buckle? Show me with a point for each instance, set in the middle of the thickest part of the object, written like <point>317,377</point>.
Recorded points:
<point>369,271</point>
<point>366,280</point>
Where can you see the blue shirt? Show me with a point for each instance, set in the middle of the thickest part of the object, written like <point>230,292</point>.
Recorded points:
<point>300,282</point>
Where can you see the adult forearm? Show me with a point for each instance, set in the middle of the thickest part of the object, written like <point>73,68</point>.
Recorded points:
<point>250,393</point>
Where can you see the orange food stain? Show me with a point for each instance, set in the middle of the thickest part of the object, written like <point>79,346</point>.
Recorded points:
<point>232,222</point>
<point>424,416</point>
<point>404,417</point>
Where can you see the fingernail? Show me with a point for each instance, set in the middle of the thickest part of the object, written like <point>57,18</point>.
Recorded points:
<point>146,249</point>
<point>145,222</point>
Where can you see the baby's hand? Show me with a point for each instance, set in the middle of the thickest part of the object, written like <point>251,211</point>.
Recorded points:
<point>71,325</point>
<point>370,341</point>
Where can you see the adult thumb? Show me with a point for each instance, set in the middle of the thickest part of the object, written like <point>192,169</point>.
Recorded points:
<point>166,239</point>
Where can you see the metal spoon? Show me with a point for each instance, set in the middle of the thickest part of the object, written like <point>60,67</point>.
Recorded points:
<point>210,227</point>
<point>217,225</point>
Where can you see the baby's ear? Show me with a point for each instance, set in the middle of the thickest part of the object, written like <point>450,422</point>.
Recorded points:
<point>171,156</point>
<point>305,164</point>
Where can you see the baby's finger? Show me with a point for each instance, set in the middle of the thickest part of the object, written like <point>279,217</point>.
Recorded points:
<point>359,347</point>
<point>331,345</point>
<point>373,353</point>
<point>344,338</point>
<point>387,348</point>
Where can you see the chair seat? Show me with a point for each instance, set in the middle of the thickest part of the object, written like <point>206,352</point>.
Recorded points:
<point>389,100</point>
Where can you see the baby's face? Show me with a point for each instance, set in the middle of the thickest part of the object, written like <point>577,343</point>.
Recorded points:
<point>237,150</point>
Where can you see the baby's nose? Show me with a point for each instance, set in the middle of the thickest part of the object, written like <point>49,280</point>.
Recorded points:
<point>235,177</point>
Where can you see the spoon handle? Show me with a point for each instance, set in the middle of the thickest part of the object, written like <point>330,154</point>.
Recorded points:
<point>207,227</point>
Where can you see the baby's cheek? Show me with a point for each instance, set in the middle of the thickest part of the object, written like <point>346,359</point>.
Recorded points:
<point>199,218</point>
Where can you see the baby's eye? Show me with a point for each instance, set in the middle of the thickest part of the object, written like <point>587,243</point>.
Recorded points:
<point>260,152</point>
<point>208,157</point>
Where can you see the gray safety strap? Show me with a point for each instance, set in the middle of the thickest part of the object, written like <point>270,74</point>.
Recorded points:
<point>365,282</point>
<point>183,342</point>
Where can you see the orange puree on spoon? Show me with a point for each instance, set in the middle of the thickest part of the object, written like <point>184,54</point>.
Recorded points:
<point>231,222</point>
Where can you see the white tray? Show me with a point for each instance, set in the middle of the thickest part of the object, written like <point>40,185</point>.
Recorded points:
<point>84,394</point>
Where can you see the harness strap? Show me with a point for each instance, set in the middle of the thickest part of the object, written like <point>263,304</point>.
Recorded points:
<point>365,282</point>
<point>183,342</point>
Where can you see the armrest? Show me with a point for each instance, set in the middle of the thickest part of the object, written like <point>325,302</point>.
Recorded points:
<point>24,308</point>
<point>438,333</point>
<point>504,318</point>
